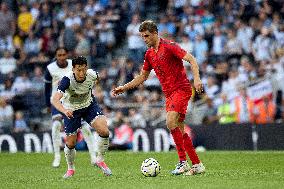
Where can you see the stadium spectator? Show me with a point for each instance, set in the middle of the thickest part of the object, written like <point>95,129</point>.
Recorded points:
<point>200,49</point>
<point>211,88</point>
<point>136,119</point>
<point>25,20</point>
<point>224,112</point>
<point>20,123</point>
<point>233,47</point>
<point>264,111</point>
<point>187,45</point>
<point>218,45</point>
<point>264,46</point>
<point>106,33</point>
<point>135,43</point>
<point>32,45</point>
<point>210,115</point>
<point>7,93</point>
<point>7,29</point>
<point>245,34</point>
<point>37,80</point>
<point>229,87</point>
<point>7,63</point>
<point>6,116</point>
<point>83,45</point>
<point>22,83</point>
<point>123,136</point>
<point>166,27</point>
<point>243,107</point>
<point>44,19</point>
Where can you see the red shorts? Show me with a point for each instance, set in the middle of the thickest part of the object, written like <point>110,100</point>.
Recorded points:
<point>178,102</point>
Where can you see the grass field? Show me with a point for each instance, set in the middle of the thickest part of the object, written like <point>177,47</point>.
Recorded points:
<point>224,170</point>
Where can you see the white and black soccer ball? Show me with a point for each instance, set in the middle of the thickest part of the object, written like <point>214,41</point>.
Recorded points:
<point>150,167</point>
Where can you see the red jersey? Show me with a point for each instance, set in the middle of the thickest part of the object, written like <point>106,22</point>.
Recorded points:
<point>168,66</point>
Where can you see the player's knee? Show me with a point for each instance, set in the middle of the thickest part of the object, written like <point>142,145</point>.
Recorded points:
<point>104,132</point>
<point>71,144</point>
<point>171,124</point>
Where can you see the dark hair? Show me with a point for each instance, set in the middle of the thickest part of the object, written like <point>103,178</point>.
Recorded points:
<point>79,60</point>
<point>148,25</point>
<point>61,48</point>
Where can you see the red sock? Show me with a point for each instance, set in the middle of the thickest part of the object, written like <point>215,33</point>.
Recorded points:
<point>190,149</point>
<point>177,136</point>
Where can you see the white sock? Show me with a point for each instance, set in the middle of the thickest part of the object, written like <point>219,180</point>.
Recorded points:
<point>70,157</point>
<point>103,144</point>
<point>56,138</point>
<point>90,140</point>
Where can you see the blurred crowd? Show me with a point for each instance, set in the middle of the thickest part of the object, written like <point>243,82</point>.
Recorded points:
<point>237,44</point>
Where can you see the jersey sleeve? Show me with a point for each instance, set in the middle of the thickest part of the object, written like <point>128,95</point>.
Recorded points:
<point>176,50</point>
<point>47,87</point>
<point>47,77</point>
<point>64,84</point>
<point>93,74</point>
<point>147,65</point>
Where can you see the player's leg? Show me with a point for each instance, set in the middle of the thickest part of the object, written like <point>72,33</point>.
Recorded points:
<point>197,166</point>
<point>90,140</point>
<point>71,127</point>
<point>97,120</point>
<point>70,152</point>
<point>100,124</point>
<point>188,145</point>
<point>177,135</point>
<point>57,123</point>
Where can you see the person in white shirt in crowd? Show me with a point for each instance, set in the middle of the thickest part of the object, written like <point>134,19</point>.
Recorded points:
<point>244,35</point>
<point>22,83</point>
<point>218,43</point>
<point>211,88</point>
<point>136,45</point>
<point>6,116</point>
<point>187,45</point>
<point>200,49</point>
<point>263,46</point>
<point>136,119</point>
<point>7,63</point>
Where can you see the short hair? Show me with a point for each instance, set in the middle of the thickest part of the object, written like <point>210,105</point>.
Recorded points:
<point>61,48</point>
<point>79,60</point>
<point>148,25</point>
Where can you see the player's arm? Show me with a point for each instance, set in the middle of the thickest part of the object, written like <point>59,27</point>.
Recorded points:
<point>47,87</point>
<point>55,101</point>
<point>138,80</point>
<point>195,70</point>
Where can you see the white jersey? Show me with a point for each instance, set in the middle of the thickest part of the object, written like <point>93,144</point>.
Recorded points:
<point>77,95</point>
<point>57,74</point>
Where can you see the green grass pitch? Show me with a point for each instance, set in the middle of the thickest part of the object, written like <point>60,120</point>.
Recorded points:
<point>224,170</point>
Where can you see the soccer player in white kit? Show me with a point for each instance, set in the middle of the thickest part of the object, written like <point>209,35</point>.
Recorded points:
<point>75,100</point>
<point>54,73</point>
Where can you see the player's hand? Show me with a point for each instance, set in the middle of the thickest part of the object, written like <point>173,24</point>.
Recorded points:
<point>68,113</point>
<point>198,86</point>
<point>118,90</point>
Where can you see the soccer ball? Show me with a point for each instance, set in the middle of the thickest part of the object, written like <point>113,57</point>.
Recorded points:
<point>150,167</point>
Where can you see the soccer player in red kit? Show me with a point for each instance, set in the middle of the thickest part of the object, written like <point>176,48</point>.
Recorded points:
<point>165,57</point>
